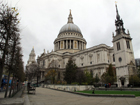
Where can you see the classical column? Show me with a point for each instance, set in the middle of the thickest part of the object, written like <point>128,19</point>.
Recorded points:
<point>63,44</point>
<point>54,46</point>
<point>82,45</point>
<point>73,44</point>
<point>77,45</point>
<point>66,44</point>
<point>58,45</point>
<point>70,44</point>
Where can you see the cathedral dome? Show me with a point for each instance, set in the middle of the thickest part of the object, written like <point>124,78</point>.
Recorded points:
<point>70,27</point>
<point>70,38</point>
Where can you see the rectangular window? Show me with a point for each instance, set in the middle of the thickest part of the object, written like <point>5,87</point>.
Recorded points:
<point>128,45</point>
<point>43,62</point>
<point>98,57</point>
<point>118,46</point>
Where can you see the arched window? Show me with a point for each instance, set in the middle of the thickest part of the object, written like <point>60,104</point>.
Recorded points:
<point>113,58</point>
<point>68,44</point>
<point>118,46</point>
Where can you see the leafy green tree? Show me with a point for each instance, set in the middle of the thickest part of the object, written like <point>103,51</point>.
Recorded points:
<point>134,79</point>
<point>109,76</point>
<point>89,77</point>
<point>80,77</point>
<point>96,79</point>
<point>138,72</point>
<point>70,73</point>
<point>110,70</point>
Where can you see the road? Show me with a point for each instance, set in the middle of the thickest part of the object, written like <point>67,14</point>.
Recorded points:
<point>46,96</point>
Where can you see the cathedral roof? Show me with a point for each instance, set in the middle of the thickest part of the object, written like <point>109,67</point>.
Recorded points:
<point>70,26</point>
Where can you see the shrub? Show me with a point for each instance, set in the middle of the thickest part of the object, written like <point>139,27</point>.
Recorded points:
<point>74,83</point>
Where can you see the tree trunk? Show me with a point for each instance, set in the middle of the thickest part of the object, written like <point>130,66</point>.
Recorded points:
<point>7,85</point>
<point>1,71</point>
<point>37,81</point>
<point>3,57</point>
<point>11,87</point>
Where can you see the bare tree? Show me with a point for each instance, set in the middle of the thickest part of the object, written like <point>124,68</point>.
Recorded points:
<point>32,71</point>
<point>8,28</point>
<point>51,74</point>
<point>17,68</point>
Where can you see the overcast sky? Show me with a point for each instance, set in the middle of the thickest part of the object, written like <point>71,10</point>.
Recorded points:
<point>41,21</point>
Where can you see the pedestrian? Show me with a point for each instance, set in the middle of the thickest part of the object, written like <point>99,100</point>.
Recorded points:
<point>109,84</point>
<point>105,86</point>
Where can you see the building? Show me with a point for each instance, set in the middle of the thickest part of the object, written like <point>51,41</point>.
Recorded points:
<point>71,43</point>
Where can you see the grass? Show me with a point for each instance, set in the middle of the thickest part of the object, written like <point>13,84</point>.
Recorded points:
<point>136,93</point>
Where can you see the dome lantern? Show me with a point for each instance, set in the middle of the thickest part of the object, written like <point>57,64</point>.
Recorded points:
<point>70,18</point>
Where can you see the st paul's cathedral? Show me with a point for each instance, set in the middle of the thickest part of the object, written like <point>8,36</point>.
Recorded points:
<point>70,43</point>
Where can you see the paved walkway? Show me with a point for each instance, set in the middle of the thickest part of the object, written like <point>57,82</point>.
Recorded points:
<point>2,94</point>
<point>46,96</point>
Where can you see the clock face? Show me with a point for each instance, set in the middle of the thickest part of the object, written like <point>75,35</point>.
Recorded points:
<point>120,59</point>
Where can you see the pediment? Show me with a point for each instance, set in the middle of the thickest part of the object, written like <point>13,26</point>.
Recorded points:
<point>131,63</point>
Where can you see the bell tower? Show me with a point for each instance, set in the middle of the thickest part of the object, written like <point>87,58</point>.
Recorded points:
<point>31,57</point>
<point>123,51</point>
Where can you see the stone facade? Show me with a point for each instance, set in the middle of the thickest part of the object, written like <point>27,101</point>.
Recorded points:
<point>70,43</point>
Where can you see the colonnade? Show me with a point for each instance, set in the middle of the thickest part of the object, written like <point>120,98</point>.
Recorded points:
<point>70,44</point>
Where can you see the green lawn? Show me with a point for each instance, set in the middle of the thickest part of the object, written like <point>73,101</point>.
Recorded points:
<point>136,93</point>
